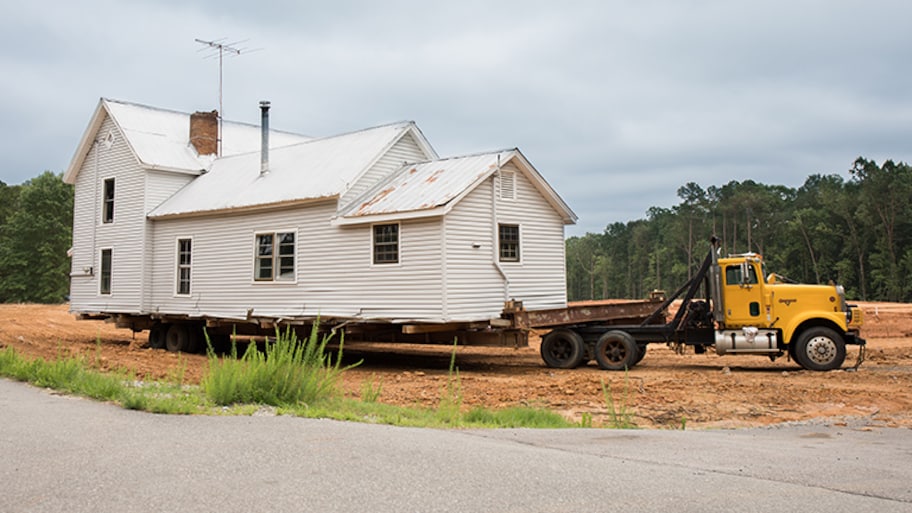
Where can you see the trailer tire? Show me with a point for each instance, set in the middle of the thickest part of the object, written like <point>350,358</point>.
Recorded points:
<point>178,338</point>
<point>641,353</point>
<point>157,335</point>
<point>563,349</point>
<point>820,349</point>
<point>616,350</point>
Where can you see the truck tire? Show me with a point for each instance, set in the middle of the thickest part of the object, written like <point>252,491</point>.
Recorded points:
<point>157,335</point>
<point>562,349</point>
<point>820,349</point>
<point>616,350</point>
<point>178,338</point>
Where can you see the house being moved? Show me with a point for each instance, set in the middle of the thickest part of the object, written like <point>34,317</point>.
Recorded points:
<point>365,227</point>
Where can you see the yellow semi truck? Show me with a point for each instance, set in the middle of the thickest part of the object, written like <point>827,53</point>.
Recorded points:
<point>744,309</point>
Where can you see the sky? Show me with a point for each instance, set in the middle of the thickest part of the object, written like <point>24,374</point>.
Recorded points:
<point>616,103</point>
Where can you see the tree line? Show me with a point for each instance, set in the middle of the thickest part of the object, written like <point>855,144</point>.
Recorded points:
<point>36,225</point>
<point>855,232</point>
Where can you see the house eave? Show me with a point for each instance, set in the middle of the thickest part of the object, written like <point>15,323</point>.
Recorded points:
<point>266,207</point>
<point>391,216</point>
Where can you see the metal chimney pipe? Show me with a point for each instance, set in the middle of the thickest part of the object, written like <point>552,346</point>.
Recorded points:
<point>264,141</point>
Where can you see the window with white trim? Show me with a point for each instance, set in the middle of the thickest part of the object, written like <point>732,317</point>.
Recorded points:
<point>104,286</point>
<point>275,257</point>
<point>107,205</point>
<point>508,236</point>
<point>184,254</point>
<point>386,243</point>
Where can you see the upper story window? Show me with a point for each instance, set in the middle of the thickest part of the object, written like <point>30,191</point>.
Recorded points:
<point>184,247</point>
<point>107,210</point>
<point>275,257</point>
<point>509,242</point>
<point>106,272</point>
<point>386,244</point>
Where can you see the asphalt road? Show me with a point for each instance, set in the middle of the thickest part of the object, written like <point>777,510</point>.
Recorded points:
<point>64,454</point>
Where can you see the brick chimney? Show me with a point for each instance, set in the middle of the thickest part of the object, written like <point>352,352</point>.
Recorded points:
<point>204,132</point>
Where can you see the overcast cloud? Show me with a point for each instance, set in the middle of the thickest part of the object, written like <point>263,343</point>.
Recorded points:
<point>616,103</point>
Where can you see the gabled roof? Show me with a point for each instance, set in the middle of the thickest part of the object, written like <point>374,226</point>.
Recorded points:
<point>432,188</point>
<point>317,169</point>
<point>160,139</point>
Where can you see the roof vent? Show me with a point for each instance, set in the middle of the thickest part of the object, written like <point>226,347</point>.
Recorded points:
<point>264,143</point>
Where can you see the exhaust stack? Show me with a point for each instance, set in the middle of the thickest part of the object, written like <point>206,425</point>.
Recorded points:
<point>264,141</point>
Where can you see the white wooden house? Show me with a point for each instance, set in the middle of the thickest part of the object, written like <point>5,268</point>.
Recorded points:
<point>364,226</point>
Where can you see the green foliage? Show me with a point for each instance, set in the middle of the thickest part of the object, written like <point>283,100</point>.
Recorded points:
<point>290,371</point>
<point>855,232</point>
<point>450,408</point>
<point>619,415</point>
<point>35,234</point>
<point>370,391</point>
<point>77,376</point>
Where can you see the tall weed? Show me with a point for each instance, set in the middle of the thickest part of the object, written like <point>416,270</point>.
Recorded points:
<point>290,371</point>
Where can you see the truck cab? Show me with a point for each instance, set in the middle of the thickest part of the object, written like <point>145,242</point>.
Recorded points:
<point>756,312</point>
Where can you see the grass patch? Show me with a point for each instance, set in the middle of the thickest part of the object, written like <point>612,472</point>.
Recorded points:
<point>80,376</point>
<point>289,372</point>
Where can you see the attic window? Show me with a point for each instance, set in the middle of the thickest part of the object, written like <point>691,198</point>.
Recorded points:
<point>507,185</point>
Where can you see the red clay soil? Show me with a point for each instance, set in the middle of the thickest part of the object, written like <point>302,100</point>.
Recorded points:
<point>663,391</point>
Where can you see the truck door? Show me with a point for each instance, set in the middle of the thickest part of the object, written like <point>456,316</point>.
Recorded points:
<point>742,293</point>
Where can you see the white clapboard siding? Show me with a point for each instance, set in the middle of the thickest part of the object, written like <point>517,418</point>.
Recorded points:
<point>160,185</point>
<point>335,274</point>
<point>538,279</point>
<point>475,290</point>
<point>124,236</point>
<point>405,150</point>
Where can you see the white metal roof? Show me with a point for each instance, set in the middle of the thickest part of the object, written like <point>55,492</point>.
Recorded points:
<point>319,168</point>
<point>431,188</point>
<point>160,139</point>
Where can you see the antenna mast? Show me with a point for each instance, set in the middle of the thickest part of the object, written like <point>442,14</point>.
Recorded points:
<point>221,48</point>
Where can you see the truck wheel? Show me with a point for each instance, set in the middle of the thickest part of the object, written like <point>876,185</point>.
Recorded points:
<point>616,350</point>
<point>562,349</point>
<point>157,335</point>
<point>177,338</point>
<point>820,349</point>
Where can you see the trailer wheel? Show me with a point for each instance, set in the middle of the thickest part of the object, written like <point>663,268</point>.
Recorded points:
<point>157,335</point>
<point>820,349</point>
<point>616,350</point>
<point>178,338</point>
<point>641,353</point>
<point>562,349</point>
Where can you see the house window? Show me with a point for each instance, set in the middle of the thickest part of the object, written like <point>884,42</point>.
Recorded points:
<point>386,244</point>
<point>107,215</point>
<point>105,285</point>
<point>275,257</point>
<point>183,266</point>
<point>509,242</point>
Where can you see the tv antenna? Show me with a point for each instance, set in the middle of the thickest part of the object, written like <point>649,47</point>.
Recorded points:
<point>219,47</point>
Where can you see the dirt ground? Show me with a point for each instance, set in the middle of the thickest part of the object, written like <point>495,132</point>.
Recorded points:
<point>665,390</point>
